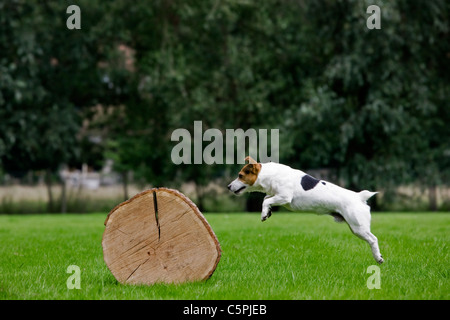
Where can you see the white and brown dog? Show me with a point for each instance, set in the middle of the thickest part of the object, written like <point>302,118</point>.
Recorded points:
<point>298,191</point>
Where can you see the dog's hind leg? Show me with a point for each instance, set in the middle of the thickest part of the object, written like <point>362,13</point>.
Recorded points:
<point>360,226</point>
<point>364,233</point>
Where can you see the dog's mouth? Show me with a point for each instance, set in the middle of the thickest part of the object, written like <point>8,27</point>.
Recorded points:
<point>240,189</point>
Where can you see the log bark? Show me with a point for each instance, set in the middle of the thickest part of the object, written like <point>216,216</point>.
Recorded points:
<point>159,236</point>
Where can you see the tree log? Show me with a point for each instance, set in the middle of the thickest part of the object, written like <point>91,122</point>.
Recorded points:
<point>159,236</point>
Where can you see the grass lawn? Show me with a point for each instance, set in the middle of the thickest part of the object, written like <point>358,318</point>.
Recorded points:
<point>290,256</point>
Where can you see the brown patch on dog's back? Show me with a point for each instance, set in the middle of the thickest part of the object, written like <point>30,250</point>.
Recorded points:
<point>249,173</point>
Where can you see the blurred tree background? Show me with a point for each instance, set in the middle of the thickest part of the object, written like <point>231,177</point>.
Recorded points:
<point>367,109</point>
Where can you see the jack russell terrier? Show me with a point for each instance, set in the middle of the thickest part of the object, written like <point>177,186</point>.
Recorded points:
<point>298,191</point>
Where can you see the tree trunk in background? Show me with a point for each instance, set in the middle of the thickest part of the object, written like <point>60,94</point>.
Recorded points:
<point>374,203</point>
<point>432,198</point>
<point>48,183</point>
<point>63,196</point>
<point>254,202</point>
<point>125,184</point>
<point>200,197</point>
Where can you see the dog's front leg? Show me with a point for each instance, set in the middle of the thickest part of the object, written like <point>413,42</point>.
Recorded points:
<point>266,208</point>
<point>269,201</point>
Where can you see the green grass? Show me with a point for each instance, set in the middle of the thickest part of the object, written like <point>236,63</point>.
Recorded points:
<point>290,256</point>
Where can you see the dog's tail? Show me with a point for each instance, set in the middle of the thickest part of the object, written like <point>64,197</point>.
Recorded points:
<point>366,195</point>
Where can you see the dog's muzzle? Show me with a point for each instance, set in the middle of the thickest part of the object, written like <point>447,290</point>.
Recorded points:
<point>237,187</point>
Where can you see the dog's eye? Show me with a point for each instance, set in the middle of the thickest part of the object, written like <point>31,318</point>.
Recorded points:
<point>240,175</point>
<point>247,171</point>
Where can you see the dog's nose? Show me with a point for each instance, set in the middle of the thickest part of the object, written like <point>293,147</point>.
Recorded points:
<point>229,186</point>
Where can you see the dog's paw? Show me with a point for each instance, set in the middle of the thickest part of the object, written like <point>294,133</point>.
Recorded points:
<point>265,216</point>
<point>380,260</point>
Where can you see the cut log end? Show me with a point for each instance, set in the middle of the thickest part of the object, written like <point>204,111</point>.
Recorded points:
<point>158,236</point>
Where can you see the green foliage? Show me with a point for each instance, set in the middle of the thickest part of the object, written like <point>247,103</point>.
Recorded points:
<point>378,109</point>
<point>372,105</point>
<point>48,74</point>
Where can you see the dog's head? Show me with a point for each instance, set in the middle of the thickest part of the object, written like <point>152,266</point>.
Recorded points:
<point>246,178</point>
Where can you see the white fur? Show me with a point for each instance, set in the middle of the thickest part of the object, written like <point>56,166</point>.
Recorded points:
<point>282,184</point>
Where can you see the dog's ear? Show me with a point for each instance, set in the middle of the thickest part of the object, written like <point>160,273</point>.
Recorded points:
<point>252,166</point>
<point>250,160</point>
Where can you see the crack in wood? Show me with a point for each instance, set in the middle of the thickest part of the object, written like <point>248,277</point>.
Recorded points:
<point>155,205</point>
<point>137,268</point>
